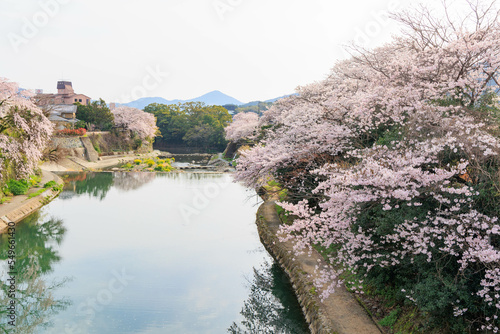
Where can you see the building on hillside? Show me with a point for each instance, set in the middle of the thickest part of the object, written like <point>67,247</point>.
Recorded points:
<point>61,107</point>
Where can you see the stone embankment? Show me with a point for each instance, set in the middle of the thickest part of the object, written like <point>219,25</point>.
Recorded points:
<point>340,313</point>
<point>72,164</point>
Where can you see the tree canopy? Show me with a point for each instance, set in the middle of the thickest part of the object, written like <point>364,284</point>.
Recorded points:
<point>97,114</point>
<point>192,124</point>
<point>24,132</point>
<point>392,168</point>
<point>141,124</point>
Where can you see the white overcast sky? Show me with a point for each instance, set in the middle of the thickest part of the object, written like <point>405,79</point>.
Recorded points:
<point>249,49</point>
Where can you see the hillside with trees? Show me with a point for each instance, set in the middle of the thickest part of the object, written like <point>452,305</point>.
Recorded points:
<point>391,165</point>
<point>192,124</point>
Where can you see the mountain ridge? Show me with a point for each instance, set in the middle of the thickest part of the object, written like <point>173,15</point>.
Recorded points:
<point>215,97</point>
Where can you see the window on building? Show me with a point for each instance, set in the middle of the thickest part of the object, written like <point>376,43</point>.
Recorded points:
<point>80,100</point>
<point>76,100</point>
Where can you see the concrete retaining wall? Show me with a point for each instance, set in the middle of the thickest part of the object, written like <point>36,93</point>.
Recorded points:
<point>90,153</point>
<point>66,142</point>
<point>27,208</point>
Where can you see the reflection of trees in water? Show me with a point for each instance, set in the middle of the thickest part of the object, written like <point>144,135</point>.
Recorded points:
<point>35,242</point>
<point>34,302</point>
<point>96,184</point>
<point>272,306</point>
<point>131,181</point>
<point>35,257</point>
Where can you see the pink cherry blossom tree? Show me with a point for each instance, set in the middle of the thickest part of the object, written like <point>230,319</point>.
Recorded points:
<point>244,126</point>
<point>392,166</point>
<point>141,123</point>
<point>24,131</point>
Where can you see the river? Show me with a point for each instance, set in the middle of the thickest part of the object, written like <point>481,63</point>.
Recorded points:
<point>148,253</point>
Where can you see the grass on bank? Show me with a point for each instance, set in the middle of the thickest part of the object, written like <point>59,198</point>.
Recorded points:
<point>13,187</point>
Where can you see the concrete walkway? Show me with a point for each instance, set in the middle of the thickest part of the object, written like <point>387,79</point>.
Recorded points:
<point>19,207</point>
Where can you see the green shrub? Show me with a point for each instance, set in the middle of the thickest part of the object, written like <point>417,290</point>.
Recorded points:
<point>34,180</point>
<point>20,187</point>
<point>50,184</point>
<point>137,161</point>
<point>150,162</point>
<point>128,165</point>
<point>390,319</point>
<point>5,199</point>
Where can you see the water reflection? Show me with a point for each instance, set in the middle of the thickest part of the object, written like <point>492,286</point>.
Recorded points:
<point>271,307</point>
<point>98,184</point>
<point>35,304</point>
<point>94,184</point>
<point>139,268</point>
<point>36,242</point>
<point>131,181</point>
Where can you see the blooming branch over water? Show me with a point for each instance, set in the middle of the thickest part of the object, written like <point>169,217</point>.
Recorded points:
<point>392,166</point>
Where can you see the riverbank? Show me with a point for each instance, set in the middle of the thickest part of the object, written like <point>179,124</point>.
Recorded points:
<point>74,164</point>
<point>340,313</point>
<point>21,206</point>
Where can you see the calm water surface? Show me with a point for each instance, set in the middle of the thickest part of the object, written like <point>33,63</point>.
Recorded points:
<point>148,253</point>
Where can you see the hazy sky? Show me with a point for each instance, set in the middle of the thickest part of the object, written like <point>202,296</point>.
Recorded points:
<point>180,49</point>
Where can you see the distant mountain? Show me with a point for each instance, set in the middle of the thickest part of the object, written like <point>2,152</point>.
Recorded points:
<point>213,98</point>
<point>216,98</point>
<point>142,102</point>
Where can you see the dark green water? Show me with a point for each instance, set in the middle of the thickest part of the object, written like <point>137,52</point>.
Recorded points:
<point>147,253</point>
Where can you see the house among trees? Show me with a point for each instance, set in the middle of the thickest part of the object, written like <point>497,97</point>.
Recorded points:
<point>63,115</point>
<point>60,107</point>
